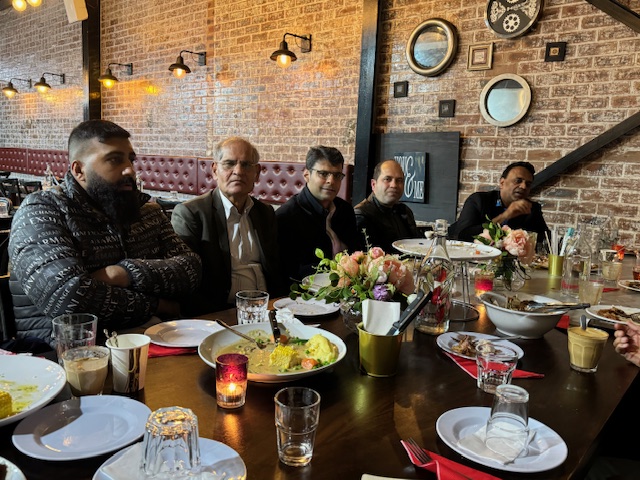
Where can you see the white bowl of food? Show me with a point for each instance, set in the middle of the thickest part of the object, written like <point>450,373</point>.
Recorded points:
<point>514,322</point>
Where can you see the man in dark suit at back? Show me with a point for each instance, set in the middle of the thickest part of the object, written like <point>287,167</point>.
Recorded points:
<point>234,233</point>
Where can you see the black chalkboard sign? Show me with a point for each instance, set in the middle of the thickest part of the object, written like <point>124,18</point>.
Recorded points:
<point>414,166</point>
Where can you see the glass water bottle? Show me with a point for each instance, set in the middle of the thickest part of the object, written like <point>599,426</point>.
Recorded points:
<point>436,275</point>
<point>577,262</point>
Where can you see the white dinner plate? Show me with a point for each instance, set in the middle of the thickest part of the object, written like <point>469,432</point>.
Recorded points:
<point>460,422</point>
<point>458,251</point>
<point>213,343</point>
<point>82,427</point>
<point>32,382</point>
<point>219,456</point>
<point>630,285</point>
<point>181,333</point>
<point>319,280</point>
<point>593,311</point>
<point>13,472</point>
<point>307,308</point>
<point>447,340</point>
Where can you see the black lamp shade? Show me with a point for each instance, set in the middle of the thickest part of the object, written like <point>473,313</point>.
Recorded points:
<point>107,76</point>
<point>42,85</point>
<point>283,50</point>
<point>179,65</point>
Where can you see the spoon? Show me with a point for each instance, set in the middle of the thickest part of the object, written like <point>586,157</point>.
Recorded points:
<point>539,307</point>
<point>113,336</point>
<point>584,321</point>
<point>240,334</point>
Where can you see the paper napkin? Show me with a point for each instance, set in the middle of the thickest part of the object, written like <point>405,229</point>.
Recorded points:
<point>127,463</point>
<point>446,469</point>
<point>474,443</point>
<point>379,317</point>
<point>471,368</point>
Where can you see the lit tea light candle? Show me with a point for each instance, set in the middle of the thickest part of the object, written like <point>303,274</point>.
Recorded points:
<point>231,380</point>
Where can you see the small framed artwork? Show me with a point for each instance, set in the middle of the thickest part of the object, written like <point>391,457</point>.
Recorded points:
<point>400,89</point>
<point>447,108</point>
<point>480,57</point>
<point>555,52</point>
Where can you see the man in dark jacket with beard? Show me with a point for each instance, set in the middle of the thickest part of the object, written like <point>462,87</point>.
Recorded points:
<point>95,244</point>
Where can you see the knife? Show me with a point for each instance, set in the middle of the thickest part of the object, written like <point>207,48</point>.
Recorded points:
<point>410,313</point>
<point>274,327</point>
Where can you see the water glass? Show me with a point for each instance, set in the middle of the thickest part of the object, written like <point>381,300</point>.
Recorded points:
<point>252,306</point>
<point>590,288</point>
<point>297,415</point>
<point>507,430</point>
<point>74,330</point>
<point>496,364</point>
<point>170,446</point>
<point>611,266</point>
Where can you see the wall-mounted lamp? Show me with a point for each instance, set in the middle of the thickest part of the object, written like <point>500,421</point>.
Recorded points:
<point>108,79</point>
<point>10,91</point>
<point>179,69</point>
<point>283,56</point>
<point>42,86</point>
<point>21,5</point>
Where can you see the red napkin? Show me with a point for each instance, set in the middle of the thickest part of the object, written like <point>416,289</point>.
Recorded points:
<point>446,469</point>
<point>610,289</point>
<point>471,368</point>
<point>160,351</point>
<point>563,322</point>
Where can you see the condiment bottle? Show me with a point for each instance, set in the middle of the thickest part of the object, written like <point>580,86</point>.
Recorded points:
<point>577,262</point>
<point>436,275</point>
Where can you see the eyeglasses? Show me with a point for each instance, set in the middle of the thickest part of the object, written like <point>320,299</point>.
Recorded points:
<point>231,164</point>
<point>325,175</point>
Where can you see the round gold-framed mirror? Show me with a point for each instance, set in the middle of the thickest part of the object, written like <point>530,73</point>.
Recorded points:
<point>432,46</point>
<point>505,100</point>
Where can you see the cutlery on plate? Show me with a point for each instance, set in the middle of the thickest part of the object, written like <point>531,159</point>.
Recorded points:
<point>538,306</point>
<point>274,326</point>
<point>240,334</point>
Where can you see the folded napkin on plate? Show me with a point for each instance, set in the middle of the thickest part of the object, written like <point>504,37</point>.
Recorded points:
<point>446,469</point>
<point>471,368</point>
<point>160,351</point>
<point>474,443</point>
<point>378,317</point>
<point>127,463</point>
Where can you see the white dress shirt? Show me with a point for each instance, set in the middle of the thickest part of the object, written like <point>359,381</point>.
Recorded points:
<point>246,270</point>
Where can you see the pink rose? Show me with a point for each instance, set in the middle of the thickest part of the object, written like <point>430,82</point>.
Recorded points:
<point>358,256</point>
<point>516,243</point>
<point>376,252</point>
<point>349,265</point>
<point>400,276</point>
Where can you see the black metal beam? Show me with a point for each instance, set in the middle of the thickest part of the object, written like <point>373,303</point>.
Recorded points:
<point>621,13</point>
<point>92,108</point>
<point>366,98</point>
<point>580,153</point>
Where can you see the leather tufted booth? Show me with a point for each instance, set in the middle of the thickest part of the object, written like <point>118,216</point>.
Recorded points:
<point>278,181</point>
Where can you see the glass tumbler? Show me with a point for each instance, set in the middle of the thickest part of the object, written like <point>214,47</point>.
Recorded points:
<point>170,445</point>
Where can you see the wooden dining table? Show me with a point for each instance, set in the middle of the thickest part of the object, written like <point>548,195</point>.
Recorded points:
<point>363,419</point>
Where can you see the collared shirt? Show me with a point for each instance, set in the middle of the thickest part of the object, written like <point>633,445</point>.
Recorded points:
<point>246,270</point>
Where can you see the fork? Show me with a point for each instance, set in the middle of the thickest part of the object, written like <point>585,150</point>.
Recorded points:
<point>417,451</point>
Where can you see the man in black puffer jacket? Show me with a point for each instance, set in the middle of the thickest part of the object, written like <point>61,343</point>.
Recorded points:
<point>95,244</point>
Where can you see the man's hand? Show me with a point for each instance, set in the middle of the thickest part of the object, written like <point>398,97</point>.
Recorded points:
<point>627,341</point>
<point>515,209</point>
<point>168,309</point>
<point>113,275</point>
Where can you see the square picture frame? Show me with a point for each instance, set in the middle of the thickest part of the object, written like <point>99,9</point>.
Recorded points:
<point>480,57</point>
<point>447,108</point>
<point>400,89</point>
<point>555,52</point>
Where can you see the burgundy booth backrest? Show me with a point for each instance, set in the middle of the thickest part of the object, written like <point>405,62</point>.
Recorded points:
<point>58,160</point>
<point>167,173</point>
<point>278,181</point>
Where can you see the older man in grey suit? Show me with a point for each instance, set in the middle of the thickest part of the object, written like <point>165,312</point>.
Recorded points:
<point>234,233</point>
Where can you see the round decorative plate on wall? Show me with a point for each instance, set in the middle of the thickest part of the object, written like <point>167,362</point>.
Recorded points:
<point>431,47</point>
<point>512,18</point>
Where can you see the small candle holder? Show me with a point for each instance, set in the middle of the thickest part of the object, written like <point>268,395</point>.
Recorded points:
<point>231,380</point>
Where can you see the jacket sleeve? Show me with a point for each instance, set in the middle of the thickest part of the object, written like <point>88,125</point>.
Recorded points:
<point>176,270</point>
<point>46,262</point>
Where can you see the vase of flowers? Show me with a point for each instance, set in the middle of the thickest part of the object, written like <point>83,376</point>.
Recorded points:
<point>516,246</point>
<point>355,277</point>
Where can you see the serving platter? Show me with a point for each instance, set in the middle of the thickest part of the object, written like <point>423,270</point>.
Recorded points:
<point>213,343</point>
<point>458,251</point>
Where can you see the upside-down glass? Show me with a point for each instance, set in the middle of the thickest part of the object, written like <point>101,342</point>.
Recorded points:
<point>170,446</point>
<point>508,426</point>
<point>297,415</point>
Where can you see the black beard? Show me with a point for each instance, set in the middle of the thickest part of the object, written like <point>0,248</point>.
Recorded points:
<point>122,206</point>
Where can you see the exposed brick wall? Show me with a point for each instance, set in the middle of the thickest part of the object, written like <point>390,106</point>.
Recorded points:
<point>597,86</point>
<point>240,91</point>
